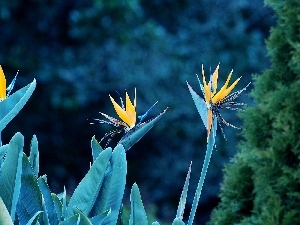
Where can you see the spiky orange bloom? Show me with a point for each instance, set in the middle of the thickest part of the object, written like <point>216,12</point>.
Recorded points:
<point>214,98</point>
<point>127,115</point>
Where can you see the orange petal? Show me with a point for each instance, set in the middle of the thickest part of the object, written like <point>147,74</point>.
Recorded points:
<point>224,91</point>
<point>130,111</point>
<point>121,112</point>
<point>2,85</point>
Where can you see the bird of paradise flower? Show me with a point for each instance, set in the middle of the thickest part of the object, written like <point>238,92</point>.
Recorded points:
<point>128,116</point>
<point>215,101</point>
<point>209,110</point>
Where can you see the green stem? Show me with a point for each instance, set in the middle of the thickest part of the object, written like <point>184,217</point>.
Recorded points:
<point>210,146</point>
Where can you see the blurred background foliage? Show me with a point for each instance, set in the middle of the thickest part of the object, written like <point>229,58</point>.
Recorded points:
<point>81,51</point>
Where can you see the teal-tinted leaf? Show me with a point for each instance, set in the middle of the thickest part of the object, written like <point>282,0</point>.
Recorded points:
<point>10,183</point>
<point>3,150</point>
<point>34,219</point>
<point>183,196</point>
<point>64,203</point>
<point>138,214</point>
<point>45,219</point>
<point>178,221</point>
<point>30,199</point>
<point>50,209</point>
<point>200,105</point>
<point>111,192</point>
<point>73,220</point>
<point>96,148</point>
<point>34,155</point>
<point>87,191</point>
<point>136,133</point>
<point>99,218</point>
<point>120,220</point>
<point>57,205</point>
<point>5,218</point>
<point>12,105</point>
<point>155,223</point>
<point>84,220</point>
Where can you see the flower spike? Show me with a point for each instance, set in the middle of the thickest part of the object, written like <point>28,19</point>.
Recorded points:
<point>215,100</point>
<point>128,121</point>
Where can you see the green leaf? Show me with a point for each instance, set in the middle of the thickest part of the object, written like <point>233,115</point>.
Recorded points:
<point>12,105</point>
<point>120,220</point>
<point>34,155</point>
<point>183,196</point>
<point>112,189</point>
<point>30,199</point>
<point>200,105</point>
<point>155,223</point>
<point>3,150</point>
<point>64,203</point>
<point>77,219</point>
<point>86,192</point>
<point>138,215</point>
<point>84,220</point>
<point>73,220</point>
<point>57,205</point>
<point>10,183</point>
<point>178,221</point>
<point>96,148</point>
<point>136,133</point>
<point>5,218</point>
<point>33,220</point>
<point>99,218</point>
<point>50,210</point>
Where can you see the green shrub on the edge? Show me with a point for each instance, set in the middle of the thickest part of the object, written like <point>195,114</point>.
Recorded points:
<point>262,184</point>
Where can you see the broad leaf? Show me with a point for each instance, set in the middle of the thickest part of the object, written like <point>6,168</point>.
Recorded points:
<point>3,150</point>
<point>34,218</point>
<point>73,220</point>
<point>34,155</point>
<point>155,223</point>
<point>58,206</point>
<point>87,191</point>
<point>30,199</point>
<point>138,215</point>
<point>50,210</point>
<point>99,218</point>
<point>136,133</point>
<point>10,182</point>
<point>84,220</point>
<point>111,193</point>
<point>96,148</point>
<point>12,105</point>
<point>5,218</point>
<point>178,221</point>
